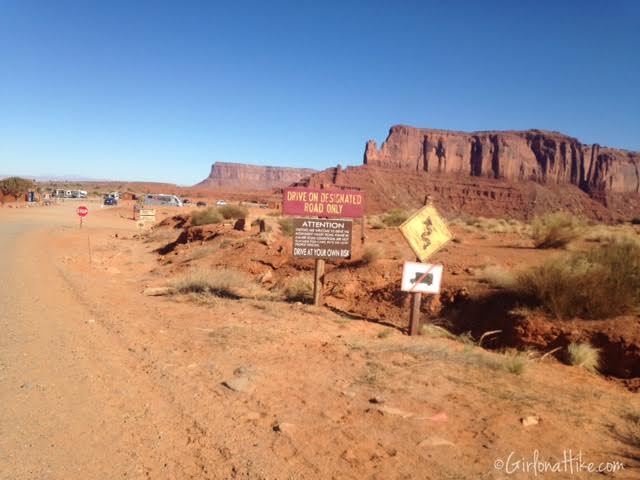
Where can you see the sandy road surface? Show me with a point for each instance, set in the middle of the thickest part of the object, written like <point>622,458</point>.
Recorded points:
<point>58,389</point>
<point>98,381</point>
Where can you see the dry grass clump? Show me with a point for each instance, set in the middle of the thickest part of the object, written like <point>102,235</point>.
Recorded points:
<point>584,355</point>
<point>496,276</point>
<point>209,216</point>
<point>233,211</point>
<point>395,217</point>
<point>299,289</point>
<point>371,255</point>
<point>286,226</point>
<point>599,283</point>
<point>200,252</point>
<point>491,225</point>
<point>222,282</point>
<point>555,230</point>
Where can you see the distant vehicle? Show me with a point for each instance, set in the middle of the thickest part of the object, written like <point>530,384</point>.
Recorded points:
<point>201,204</point>
<point>111,201</point>
<point>221,202</point>
<point>115,195</point>
<point>162,199</point>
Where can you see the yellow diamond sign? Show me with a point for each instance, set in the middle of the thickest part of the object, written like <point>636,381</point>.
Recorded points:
<point>426,232</point>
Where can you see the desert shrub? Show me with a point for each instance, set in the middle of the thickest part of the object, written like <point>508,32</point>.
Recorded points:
<point>223,282</point>
<point>555,230</point>
<point>599,283</point>
<point>206,217</point>
<point>584,355</point>
<point>371,255</point>
<point>635,221</point>
<point>515,363</point>
<point>299,289</point>
<point>233,211</point>
<point>286,226</point>
<point>395,217</point>
<point>15,186</point>
<point>496,276</point>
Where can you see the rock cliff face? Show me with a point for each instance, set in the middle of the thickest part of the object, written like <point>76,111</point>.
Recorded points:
<point>255,177</point>
<point>540,156</point>
<point>514,174</point>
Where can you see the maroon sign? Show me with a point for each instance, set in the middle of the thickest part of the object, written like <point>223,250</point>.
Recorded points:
<point>82,211</point>
<point>323,203</point>
<point>321,238</point>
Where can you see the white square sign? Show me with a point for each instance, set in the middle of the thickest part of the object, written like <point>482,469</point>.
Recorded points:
<point>421,277</point>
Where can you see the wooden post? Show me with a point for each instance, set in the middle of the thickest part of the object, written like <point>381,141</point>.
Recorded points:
<point>80,222</point>
<point>363,236</point>
<point>414,319</point>
<point>89,243</point>
<point>318,282</point>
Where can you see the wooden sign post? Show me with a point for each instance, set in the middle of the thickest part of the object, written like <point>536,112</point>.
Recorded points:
<point>318,281</point>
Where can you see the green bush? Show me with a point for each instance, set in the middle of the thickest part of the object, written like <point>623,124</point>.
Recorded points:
<point>206,217</point>
<point>233,211</point>
<point>555,230</point>
<point>286,226</point>
<point>395,217</point>
<point>223,282</point>
<point>371,255</point>
<point>15,186</point>
<point>299,289</point>
<point>600,283</point>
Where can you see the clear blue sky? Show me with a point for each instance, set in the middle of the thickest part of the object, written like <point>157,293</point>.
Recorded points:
<point>160,90</point>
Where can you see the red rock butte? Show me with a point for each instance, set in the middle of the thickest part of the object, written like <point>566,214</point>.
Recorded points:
<point>517,173</point>
<point>251,177</point>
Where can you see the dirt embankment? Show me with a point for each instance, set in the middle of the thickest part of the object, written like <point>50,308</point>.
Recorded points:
<point>369,290</point>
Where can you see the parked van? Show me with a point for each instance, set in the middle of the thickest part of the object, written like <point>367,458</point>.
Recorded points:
<point>162,199</point>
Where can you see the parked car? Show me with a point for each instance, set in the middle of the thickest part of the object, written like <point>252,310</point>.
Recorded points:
<point>111,201</point>
<point>221,202</point>
<point>201,204</point>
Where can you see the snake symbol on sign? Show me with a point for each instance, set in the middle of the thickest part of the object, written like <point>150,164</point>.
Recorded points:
<point>428,224</point>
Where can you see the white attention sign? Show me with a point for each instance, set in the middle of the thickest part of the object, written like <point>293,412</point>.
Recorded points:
<point>421,277</point>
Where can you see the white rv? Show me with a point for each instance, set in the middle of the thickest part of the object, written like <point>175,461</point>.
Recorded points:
<point>162,199</point>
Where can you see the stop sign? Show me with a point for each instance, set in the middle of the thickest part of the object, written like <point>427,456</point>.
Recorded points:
<point>82,211</point>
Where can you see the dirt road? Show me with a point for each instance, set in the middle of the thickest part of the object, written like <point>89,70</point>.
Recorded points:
<point>98,381</point>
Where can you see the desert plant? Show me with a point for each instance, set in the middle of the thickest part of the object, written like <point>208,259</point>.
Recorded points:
<point>635,221</point>
<point>599,283</point>
<point>395,217</point>
<point>15,186</point>
<point>206,217</point>
<point>299,289</point>
<point>496,276</point>
<point>514,362</point>
<point>286,226</point>
<point>431,330</point>
<point>584,355</point>
<point>223,282</point>
<point>555,230</point>
<point>233,211</point>
<point>371,255</point>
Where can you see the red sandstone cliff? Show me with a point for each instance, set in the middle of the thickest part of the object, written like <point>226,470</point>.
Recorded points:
<point>253,177</point>
<point>540,156</point>
<point>512,173</point>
